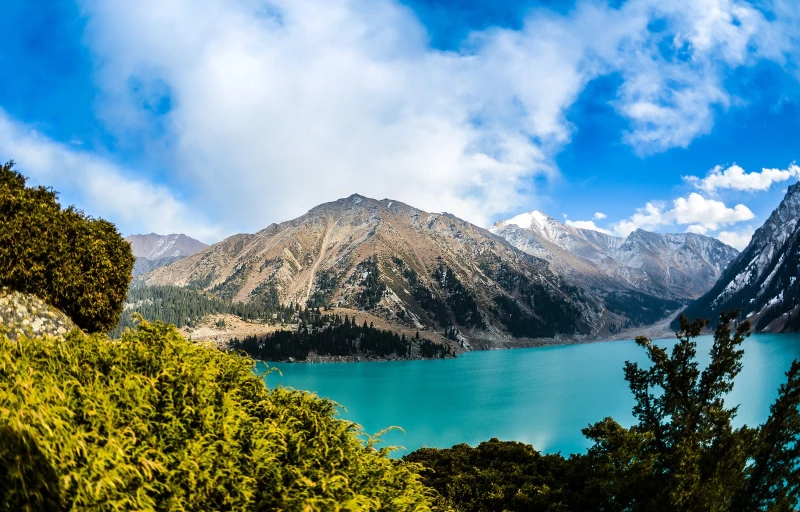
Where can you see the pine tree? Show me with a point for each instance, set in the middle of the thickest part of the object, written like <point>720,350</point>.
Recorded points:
<point>684,453</point>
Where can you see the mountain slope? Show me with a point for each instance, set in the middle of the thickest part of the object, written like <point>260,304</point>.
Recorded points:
<point>153,251</point>
<point>412,268</point>
<point>154,247</point>
<point>762,281</point>
<point>666,266</point>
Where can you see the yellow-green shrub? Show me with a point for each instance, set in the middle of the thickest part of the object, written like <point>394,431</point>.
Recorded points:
<point>76,263</point>
<point>154,422</point>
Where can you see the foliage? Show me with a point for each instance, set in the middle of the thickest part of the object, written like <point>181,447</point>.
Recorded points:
<point>76,263</point>
<point>326,281</point>
<point>682,454</point>
<point>494,476</point>
<point>374,287</point>
<point>332,335</point>
<point>153,422</point>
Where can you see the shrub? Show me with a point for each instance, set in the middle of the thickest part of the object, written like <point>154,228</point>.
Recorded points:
<point>76,263</point>
<point>154,422</point>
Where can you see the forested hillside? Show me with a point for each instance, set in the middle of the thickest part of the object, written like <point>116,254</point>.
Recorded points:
<point>188,306</point>
<point>341,338</point>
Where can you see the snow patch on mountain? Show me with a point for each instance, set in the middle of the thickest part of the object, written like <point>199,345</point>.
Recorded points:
<point>676,266</point>
<point>763,278</point>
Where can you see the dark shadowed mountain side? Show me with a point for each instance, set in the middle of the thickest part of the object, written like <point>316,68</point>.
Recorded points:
<point>153,251</point>
<point>416,270</point>
<point>762,281</point>
<point>666,266</point>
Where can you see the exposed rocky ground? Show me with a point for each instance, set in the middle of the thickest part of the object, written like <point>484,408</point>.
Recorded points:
<point>26,315</point>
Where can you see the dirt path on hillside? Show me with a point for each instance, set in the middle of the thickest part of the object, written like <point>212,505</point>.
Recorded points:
<point>319,259</point>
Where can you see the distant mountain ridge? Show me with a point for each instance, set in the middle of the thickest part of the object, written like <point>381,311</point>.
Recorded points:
<point>669,266</point>
<point>154,246</point>
<point>417,269</point>
<point>153,250</point>
<point>762,280</point>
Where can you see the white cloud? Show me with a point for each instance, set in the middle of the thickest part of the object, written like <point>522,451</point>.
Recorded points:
<point>735,178</point>
<point>599,216</point>
<point>697,229</point>
<point>699,213</point>
<point>674,79</point>
<point>102,187</point>
<point>736,239</point>
<point>587,224</point>
<point>278,106</point>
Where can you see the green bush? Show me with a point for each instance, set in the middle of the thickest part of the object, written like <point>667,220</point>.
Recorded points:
<point>76,263</point>
<point>496,476</point>
<point>154,422</point>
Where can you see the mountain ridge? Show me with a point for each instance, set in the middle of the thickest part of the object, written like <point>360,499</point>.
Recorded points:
<point>153,250</point>
<point>675,266</point>
<point>762,281</point>
<point>417,269</point>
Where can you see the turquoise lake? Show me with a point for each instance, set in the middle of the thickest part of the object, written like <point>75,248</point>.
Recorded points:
<point>542,396</point>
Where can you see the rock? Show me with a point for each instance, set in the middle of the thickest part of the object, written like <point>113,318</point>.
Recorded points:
<point>23,314</point>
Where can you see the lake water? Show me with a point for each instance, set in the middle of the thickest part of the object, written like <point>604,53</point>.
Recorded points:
<point>542,396</point>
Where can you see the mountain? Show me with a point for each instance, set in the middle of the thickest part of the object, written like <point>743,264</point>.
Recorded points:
<point>415,269</point>
<point>762,280</point>
<point>153,251</point>
<point>666,266</point>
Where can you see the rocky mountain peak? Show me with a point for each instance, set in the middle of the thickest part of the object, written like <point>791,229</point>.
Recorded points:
<point>154,246</point>
<point>762,281</point>
<point>675,266</point>
<point>154,250</point>
<point>414,269</point>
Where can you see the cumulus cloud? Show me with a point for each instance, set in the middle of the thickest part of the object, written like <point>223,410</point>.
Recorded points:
<point>587,224</point>
<point>599,216</point>
<point>735,178</point>
<point>736,239</point>
<point>277,106</point>
<point>135,205</point>
<point>700,214</point>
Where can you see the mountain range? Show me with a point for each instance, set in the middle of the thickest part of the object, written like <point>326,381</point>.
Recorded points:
<point>528,278</point>
<point>762,281</point>
<point>680,266</point>
<point>153,251</point>
<point>412,268</point>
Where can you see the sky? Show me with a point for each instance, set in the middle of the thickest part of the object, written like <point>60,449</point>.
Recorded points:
<point>215,117</point>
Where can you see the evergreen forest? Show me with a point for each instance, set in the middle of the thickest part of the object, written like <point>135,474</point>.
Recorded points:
<point>334,335</point>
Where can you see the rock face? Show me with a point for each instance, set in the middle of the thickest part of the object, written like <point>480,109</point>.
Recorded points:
<point>153,251</point>
<point>667,266</point>
<point>26,315</point>
<point>762,281</point>
<point>415,269</point>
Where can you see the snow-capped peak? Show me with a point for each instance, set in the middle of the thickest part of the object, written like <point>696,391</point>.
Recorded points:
<point>527,220</point>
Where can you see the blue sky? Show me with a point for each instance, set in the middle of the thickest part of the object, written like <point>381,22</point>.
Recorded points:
<point>218,117</point>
